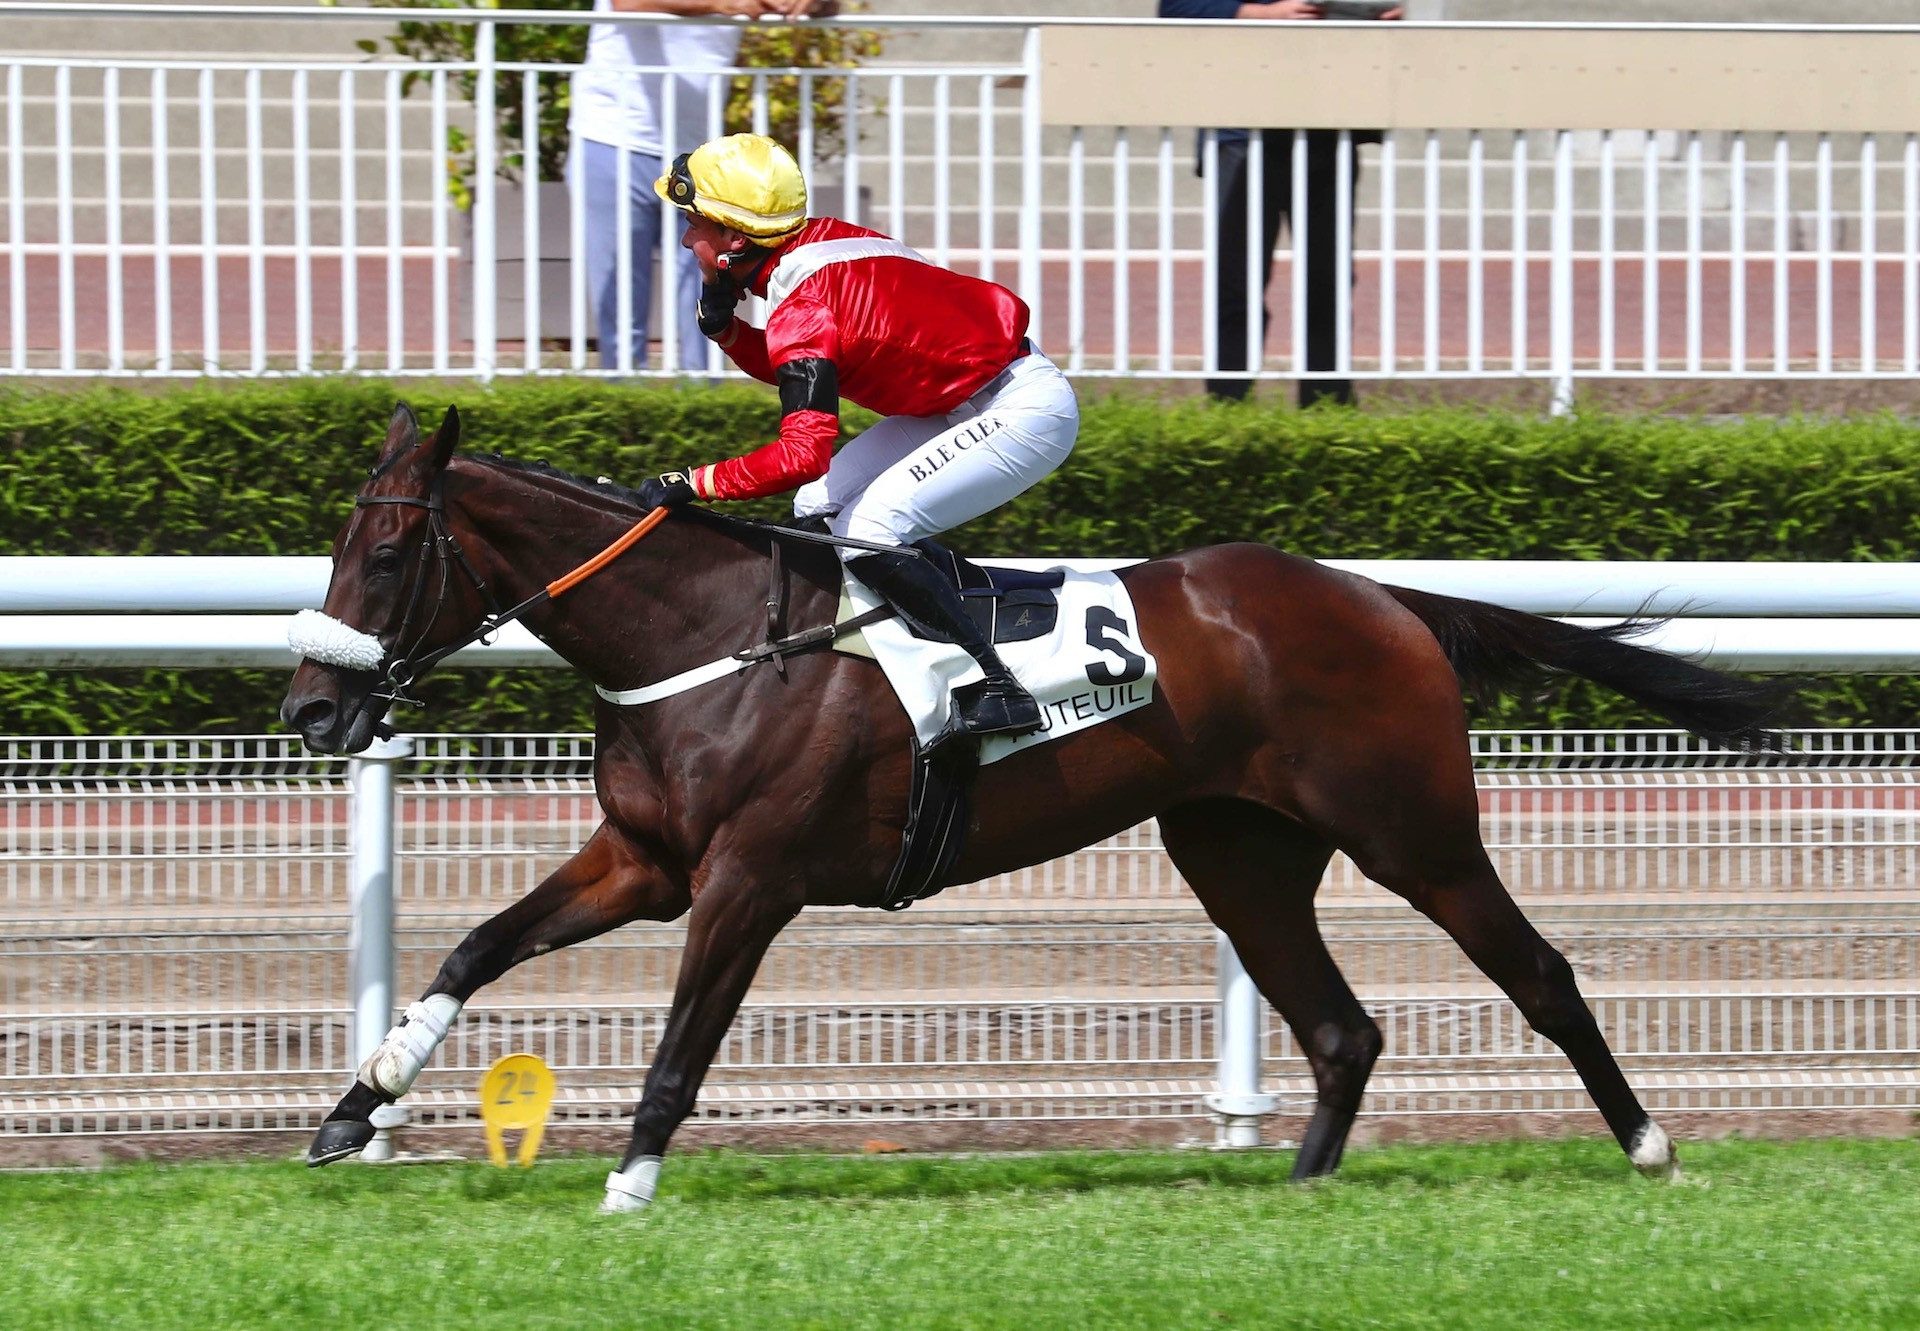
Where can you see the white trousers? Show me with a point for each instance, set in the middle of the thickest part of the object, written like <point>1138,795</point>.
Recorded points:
<point>911,477</point>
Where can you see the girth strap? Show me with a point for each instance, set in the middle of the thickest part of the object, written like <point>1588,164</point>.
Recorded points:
<point>937,810</point>
<point>804,641</point>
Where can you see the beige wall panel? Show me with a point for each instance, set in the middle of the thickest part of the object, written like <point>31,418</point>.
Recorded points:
<point>1398,76</point>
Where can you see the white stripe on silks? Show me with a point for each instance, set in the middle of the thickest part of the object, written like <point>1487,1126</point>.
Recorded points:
<point>803,261</point>
<point>320,637</point>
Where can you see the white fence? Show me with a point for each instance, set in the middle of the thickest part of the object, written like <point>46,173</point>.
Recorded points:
<point>91,611</point>
<point>176,951</point>
<point>176,957</point>
<point>183,218</point>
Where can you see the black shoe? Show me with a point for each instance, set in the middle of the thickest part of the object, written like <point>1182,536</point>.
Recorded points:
<point>995,707</point>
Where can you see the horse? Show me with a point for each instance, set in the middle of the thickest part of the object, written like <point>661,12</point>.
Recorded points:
<point>1299,710</point>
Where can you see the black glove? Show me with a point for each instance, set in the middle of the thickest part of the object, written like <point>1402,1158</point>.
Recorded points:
<point>666,490</point>
<point>714,313</point>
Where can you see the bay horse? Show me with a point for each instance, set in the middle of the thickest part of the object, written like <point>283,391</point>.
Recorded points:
<point>1299,711</point>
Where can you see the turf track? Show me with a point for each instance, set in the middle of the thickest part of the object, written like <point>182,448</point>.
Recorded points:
<point>1533,1235</point>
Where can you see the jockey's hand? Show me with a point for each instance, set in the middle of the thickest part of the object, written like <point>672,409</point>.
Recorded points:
<point>714,313</point>
<point>666,490</point>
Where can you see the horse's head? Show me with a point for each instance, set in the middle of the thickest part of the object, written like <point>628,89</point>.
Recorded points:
<point>401,588</point>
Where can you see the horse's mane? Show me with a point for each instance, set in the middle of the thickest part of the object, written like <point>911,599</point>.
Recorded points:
<point>596,489</point>
<point>611,494</point>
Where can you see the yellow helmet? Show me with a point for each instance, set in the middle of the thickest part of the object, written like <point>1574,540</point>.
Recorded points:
<point>744,181</point>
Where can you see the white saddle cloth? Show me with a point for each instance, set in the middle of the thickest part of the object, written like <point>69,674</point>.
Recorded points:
<point>1090,669</point>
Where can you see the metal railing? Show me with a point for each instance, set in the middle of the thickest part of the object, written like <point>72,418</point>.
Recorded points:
<point>176,954</point>
<point>295,216</point>
<point>81,611</point>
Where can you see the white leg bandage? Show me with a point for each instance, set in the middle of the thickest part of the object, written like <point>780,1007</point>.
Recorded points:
<point>392,1067</point>
<point>1653,1153</point>
<point>631,1189</point>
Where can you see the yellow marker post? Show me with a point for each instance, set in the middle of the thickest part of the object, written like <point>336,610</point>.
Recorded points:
<point>515,1095</point>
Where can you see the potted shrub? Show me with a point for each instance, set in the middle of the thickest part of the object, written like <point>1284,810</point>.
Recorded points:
<point>799,45</point>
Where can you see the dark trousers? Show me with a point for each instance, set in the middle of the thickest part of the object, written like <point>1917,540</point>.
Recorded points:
<point>1322,254</point>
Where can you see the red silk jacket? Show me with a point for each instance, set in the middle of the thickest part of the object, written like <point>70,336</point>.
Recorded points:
<point>856,314</point>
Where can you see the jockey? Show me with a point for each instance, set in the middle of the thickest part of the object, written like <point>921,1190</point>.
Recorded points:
<point>974,413</point>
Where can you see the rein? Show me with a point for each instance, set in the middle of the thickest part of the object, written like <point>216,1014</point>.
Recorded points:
<point>401,666</point>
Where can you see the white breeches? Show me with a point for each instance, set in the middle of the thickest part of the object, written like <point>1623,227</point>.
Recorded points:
<point>911,477</point>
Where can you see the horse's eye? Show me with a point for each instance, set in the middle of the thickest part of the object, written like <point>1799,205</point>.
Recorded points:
<point>385,562</point>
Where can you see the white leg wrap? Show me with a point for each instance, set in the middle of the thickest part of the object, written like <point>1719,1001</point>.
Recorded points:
<point>631,1189</point>
<point>393,1066</point>
<point>1653,1153</point>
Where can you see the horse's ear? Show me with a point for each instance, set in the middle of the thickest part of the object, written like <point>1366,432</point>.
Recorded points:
<point>403,432</point>
<point>446,438</point>
<point>403,435</point>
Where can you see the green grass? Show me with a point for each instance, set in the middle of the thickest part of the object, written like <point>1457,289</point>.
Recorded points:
<point>1533,1235</point>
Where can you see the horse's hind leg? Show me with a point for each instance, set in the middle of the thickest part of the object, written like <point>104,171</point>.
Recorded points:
<point>1256,874</point>
<point>1439,865</point>
<point>1476,910</point>
<point>603,886</point>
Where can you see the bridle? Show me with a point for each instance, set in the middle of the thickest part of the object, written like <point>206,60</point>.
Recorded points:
<point>438,548</point>
<point>401,665</point>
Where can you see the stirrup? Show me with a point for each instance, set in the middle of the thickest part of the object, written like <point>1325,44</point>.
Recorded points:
<point>995,707</point>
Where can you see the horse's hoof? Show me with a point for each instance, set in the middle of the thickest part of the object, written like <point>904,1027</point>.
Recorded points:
<point>337,1139</point>
<point>1653,1154</point>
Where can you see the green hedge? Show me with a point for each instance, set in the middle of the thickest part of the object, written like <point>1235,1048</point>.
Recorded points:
<point>269,468</point>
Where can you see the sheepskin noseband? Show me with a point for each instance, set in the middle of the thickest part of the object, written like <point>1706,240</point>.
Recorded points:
<point>320,637</point>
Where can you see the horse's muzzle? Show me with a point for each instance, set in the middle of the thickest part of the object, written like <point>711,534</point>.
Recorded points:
<point>333,710</point>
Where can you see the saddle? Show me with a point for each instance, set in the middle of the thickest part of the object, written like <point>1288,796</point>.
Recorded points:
<point>1009,604</point>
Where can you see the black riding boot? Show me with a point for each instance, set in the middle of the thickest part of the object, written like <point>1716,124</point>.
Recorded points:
<point>996,705</point>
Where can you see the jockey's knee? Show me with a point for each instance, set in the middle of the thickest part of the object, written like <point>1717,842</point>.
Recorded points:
<point>812,500</point>
<point>875,528</point>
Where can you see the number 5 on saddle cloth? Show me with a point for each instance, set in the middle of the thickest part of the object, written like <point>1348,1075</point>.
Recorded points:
<point>1070,638</point>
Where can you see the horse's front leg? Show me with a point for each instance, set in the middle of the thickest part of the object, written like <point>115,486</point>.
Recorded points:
<point>605,885</point>
<point>737,912</point>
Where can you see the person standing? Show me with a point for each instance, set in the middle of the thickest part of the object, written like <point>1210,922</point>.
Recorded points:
<point>617,109</point>
<point>1320,216</point>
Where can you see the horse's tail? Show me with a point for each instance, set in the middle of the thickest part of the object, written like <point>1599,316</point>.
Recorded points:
<point>1495,650</point>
